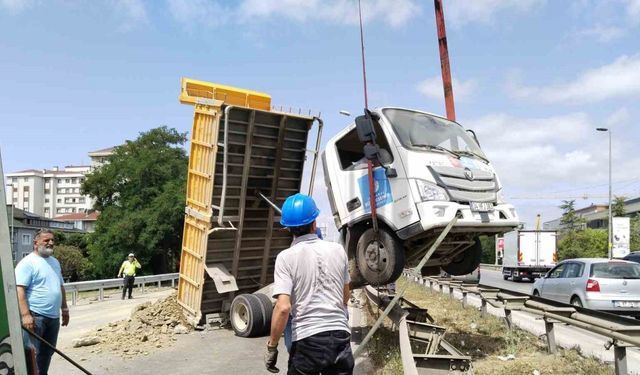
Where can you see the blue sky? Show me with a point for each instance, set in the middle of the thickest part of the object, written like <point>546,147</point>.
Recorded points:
<point>532,77</point>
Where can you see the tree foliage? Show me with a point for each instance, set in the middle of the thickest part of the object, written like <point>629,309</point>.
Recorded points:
<point>570,220</point>
<point>588,243</point>
<point>140,193</point>
<point>74,265</point>
<point>617,207</point>
<point>635,233</point>
<point>488,244</point>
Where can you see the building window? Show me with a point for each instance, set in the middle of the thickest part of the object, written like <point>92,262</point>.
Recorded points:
<point>47,210</point>
<point>74,180</point>
<point>59,200</point>
<point>47,191</point>
<point>59,180</point>
<point>46,200</point>
<point>25,179</point>
<point>66,180</point>
<point>15,189</point>
<point>26,239</point>
<point>25,188</point>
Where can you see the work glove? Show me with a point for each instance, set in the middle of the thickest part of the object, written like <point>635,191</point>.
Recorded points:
<point>271,358</point>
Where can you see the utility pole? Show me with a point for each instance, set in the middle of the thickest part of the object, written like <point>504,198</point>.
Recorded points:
<point>610,241</point>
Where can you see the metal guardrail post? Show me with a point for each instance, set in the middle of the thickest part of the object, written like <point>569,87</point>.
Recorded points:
<point>143,287</point>
<point>620,358</point>
<point>483,307</point>
<point>450,292</point>
<point>440,286</point>
<point>508,319</point>
<point>551,336</point>
<point>464,298</point>
<point>159,284</point>
<point>101,294</point>
<point>173,283</point>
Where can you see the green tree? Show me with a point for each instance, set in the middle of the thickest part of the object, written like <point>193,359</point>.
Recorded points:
<point>617,207</point>
<point>588,243</point>
<point>140,193</point>
<point>74,265</point>
<point>635,233</point>
<point>488,244</point>
<point>570,220</point>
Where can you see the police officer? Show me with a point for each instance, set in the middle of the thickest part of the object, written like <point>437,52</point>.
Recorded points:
<point>128,270</point>
<point>311,282</point>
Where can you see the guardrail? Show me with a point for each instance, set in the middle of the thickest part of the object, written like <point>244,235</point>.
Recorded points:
<point>421,342</point>
<point>101,285</point>
<point>622,332</point>
<point>487,266</point>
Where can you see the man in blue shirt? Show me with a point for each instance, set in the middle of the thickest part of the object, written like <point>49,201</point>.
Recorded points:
<point>41,297</point>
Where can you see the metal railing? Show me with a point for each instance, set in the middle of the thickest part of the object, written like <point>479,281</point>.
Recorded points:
<point>622,332</point>
<point>423,349</point>
<point>495,267</point>
<point>100,285</point>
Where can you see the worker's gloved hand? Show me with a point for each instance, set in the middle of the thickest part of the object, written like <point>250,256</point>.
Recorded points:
<point>271,358</point>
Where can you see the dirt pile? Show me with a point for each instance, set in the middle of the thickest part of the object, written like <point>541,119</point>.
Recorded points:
<point>151,326</point>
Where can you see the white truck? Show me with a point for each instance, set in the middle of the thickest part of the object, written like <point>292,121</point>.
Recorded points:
<point>427,170</point>
<point>529,254</point>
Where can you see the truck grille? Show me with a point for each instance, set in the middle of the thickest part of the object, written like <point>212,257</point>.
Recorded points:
<point>482,187</point>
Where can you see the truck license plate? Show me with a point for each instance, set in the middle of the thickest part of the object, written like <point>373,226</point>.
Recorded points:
<point>481,206</point>
<point>626,304</point>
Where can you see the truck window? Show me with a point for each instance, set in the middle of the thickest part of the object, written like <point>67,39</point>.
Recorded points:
<point>350,150</point>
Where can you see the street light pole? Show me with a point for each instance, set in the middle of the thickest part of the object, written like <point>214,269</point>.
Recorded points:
<point>610,240</point>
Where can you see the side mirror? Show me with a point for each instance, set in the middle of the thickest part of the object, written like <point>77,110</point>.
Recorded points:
<point>364,127</point>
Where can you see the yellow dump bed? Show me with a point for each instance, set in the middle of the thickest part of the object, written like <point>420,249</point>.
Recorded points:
<point>265,152</point>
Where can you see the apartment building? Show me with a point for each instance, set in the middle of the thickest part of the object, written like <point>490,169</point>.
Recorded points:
<point>53,192</point>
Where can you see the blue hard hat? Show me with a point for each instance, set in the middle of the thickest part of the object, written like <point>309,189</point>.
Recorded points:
<point>299,210</point>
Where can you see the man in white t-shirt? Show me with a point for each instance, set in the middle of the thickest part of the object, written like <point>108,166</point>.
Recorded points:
<point>311,282</point>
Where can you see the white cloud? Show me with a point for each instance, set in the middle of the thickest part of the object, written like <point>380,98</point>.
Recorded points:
<point>601,33</point>
<point>460,12</point>
<point>192,13</point>
<point>132,12</point>
<point>556,157</point>
<point>15,6</point>
<point>621,78</point>
<point>211,13</point>
<point>432,88</point>
<point>633,11</point>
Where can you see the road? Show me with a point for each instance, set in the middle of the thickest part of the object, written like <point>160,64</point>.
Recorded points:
<point>199,352</point>
<point>494,278</point>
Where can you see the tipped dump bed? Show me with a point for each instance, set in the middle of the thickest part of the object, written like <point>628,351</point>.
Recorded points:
<point>266,153</point>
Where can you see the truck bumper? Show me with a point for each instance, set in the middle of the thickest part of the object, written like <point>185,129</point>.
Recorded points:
<point>438,214</point>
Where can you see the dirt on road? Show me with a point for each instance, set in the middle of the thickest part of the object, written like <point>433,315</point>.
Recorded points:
<point>151,326</point>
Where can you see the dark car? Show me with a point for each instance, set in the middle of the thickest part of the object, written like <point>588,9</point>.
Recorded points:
<point>633,256</point>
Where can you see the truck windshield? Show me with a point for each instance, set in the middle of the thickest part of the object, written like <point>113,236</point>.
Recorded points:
<point>418,130</point>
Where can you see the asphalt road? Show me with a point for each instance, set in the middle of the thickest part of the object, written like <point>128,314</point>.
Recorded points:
<point>494,278</point>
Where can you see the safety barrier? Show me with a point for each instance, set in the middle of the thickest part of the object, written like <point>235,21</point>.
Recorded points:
<point>421,341</point>
<point>622,332</point>
<point>100,285</point>
<point>486,266</point>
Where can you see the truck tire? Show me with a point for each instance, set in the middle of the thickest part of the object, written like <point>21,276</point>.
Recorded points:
<point>380,261</point>
<point>468,262</point>
<point>247,315</point>
<point>505,277</point>
<point>267,304</point>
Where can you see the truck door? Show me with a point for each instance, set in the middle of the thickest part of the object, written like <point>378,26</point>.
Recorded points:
<point>393,198</point>
<point>546,248</point>
<point>527,246</point>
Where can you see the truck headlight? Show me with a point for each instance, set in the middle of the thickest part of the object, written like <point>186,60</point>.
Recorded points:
<point>431,192</point>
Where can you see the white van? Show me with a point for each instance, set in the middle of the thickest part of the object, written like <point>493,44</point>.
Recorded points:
<point>428,169</point>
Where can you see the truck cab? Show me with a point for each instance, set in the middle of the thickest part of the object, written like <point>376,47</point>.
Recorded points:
<point>428,170</point>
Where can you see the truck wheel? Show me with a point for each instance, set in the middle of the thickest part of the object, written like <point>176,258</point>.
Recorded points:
<point>468,261</point>
<point>267,304</point>
<point>505,277</point>
<point>381,260</point>
<point>247,315</point>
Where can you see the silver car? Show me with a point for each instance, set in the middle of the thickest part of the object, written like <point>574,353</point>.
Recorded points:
<point>594,283</point>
